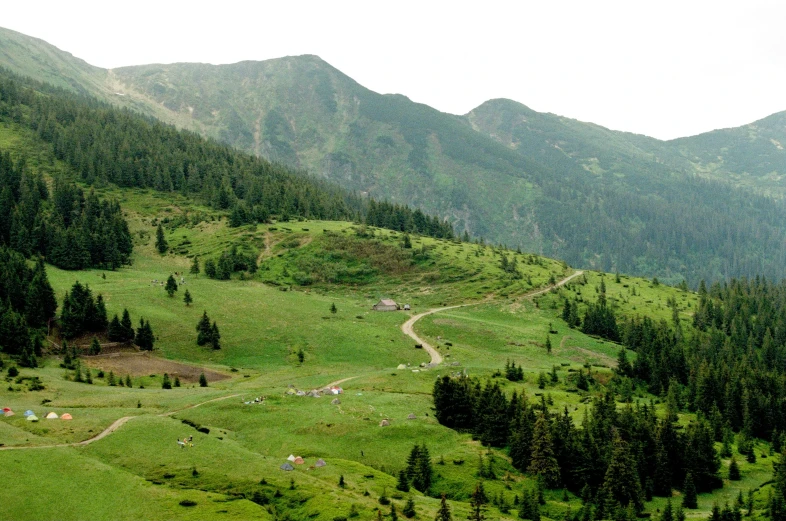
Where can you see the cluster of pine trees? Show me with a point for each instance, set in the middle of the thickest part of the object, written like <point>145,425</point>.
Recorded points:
<point>71,230</point>
<point>27,302</point>
<point>615,458</point>
<point>730,367</point>
<point>207,334</point>
<point>418,472</point>
<point>82,313</point>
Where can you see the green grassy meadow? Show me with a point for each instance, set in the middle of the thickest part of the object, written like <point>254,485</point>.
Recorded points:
<point>232,471</point>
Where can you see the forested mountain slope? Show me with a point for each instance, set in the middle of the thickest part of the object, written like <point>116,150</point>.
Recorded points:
<point>560,187</point>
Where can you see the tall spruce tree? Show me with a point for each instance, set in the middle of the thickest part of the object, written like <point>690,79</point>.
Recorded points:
<point>622,483</point>
<point>477,504</point>
<point>689,496</point>
<point>542,462</point>
<point>161,245</point>
<point>204,333</point>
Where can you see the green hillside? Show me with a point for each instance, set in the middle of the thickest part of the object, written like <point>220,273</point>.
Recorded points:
<point>296,316</point>
<point>686,209</point>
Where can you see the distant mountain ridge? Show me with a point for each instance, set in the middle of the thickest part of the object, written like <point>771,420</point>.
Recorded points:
<point>573,190</point>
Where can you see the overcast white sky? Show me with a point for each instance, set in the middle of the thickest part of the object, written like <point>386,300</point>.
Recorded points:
<point>662,68</point>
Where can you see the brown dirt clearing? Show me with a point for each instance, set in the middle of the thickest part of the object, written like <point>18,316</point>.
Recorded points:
<point>143,364</point>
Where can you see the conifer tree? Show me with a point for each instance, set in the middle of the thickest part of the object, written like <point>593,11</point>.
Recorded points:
<point>115,332</point>
<point>194,270</point>
<point>423,471</point>
<point>204,333</point>
<point>668,514</point>
<point>129,383</point>
<point>215,337</point>
<point>403,482</point>
<point>161,244</point>
<point>128,328</point>
<point>144,335</point>
<point>443,514</point>
<point>689,496</point>
<point>171,285</point>
<point>622,482</point>
<point>734,470</point>
<point>542,462</point>
<point>477,504</point>
<point>187,298</point>
<point>409,508</point>
<point>95,347</point>
<point>202,380</point>
<point>166,383</point>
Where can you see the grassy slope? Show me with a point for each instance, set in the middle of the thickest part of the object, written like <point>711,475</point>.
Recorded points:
<point>262,327</point>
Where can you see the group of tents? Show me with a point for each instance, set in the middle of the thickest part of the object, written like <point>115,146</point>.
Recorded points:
<point>315,393</point>
<point>31,417</point>
<point>297,460</point>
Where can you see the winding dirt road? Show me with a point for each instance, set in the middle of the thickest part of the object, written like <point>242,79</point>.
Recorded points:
<point>436,358</point>
<point>407,328</point>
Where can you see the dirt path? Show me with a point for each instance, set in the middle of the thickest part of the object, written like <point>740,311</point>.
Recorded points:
<point>436,358</point>
<point>170,413</point>
<point>116,425</point>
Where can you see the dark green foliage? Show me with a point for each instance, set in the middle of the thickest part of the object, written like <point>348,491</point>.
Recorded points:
<point>529,507</point>
<point>341,482</point>
<point>204,331</point>
<point>81,312</point>
<point>689,495</point>
<point>443,513</point>
<point>419,470</point>
<point>144,335</point>
<point>161,245</point>
<point>171,285</point>
<point>95,347</point>
<point>166,382</point>
<point>105,145</point>
<point>543,462</point>
<point>115,332</point>
<point>622,481</point>
<point>71,230</point>
<point>187,298</point>
<point>734,470</point>
<point>194,269</point>
<point>477,504</point>
<point>513,373</point>
<point>202,380</point>
<point>409,509</point>
<point>333,308</point>
<point>403,481</point>
<point>599,319</point>
<point>127,327</point>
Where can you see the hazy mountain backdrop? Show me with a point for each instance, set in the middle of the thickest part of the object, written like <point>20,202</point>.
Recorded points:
<point>707,206</point>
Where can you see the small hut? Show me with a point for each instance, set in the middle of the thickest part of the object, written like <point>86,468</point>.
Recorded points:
<point>385,304</point>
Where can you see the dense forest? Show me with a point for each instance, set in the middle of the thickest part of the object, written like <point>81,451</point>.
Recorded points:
<point>728,367</point>
<point>107,145</point>
<point>27,302</point>
<point>71,230</point>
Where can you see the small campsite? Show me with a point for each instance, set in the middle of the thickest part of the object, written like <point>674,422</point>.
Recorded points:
<point>284,340</point>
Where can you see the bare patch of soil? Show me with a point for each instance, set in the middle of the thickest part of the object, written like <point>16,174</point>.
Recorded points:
<point>143,364</point>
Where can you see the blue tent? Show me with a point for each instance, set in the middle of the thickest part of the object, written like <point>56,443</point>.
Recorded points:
<point>287,466</point>
<point>29,413</point>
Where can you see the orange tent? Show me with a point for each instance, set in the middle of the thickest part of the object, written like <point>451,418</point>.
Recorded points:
<point>66,416</point>
<point>299,461</point>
